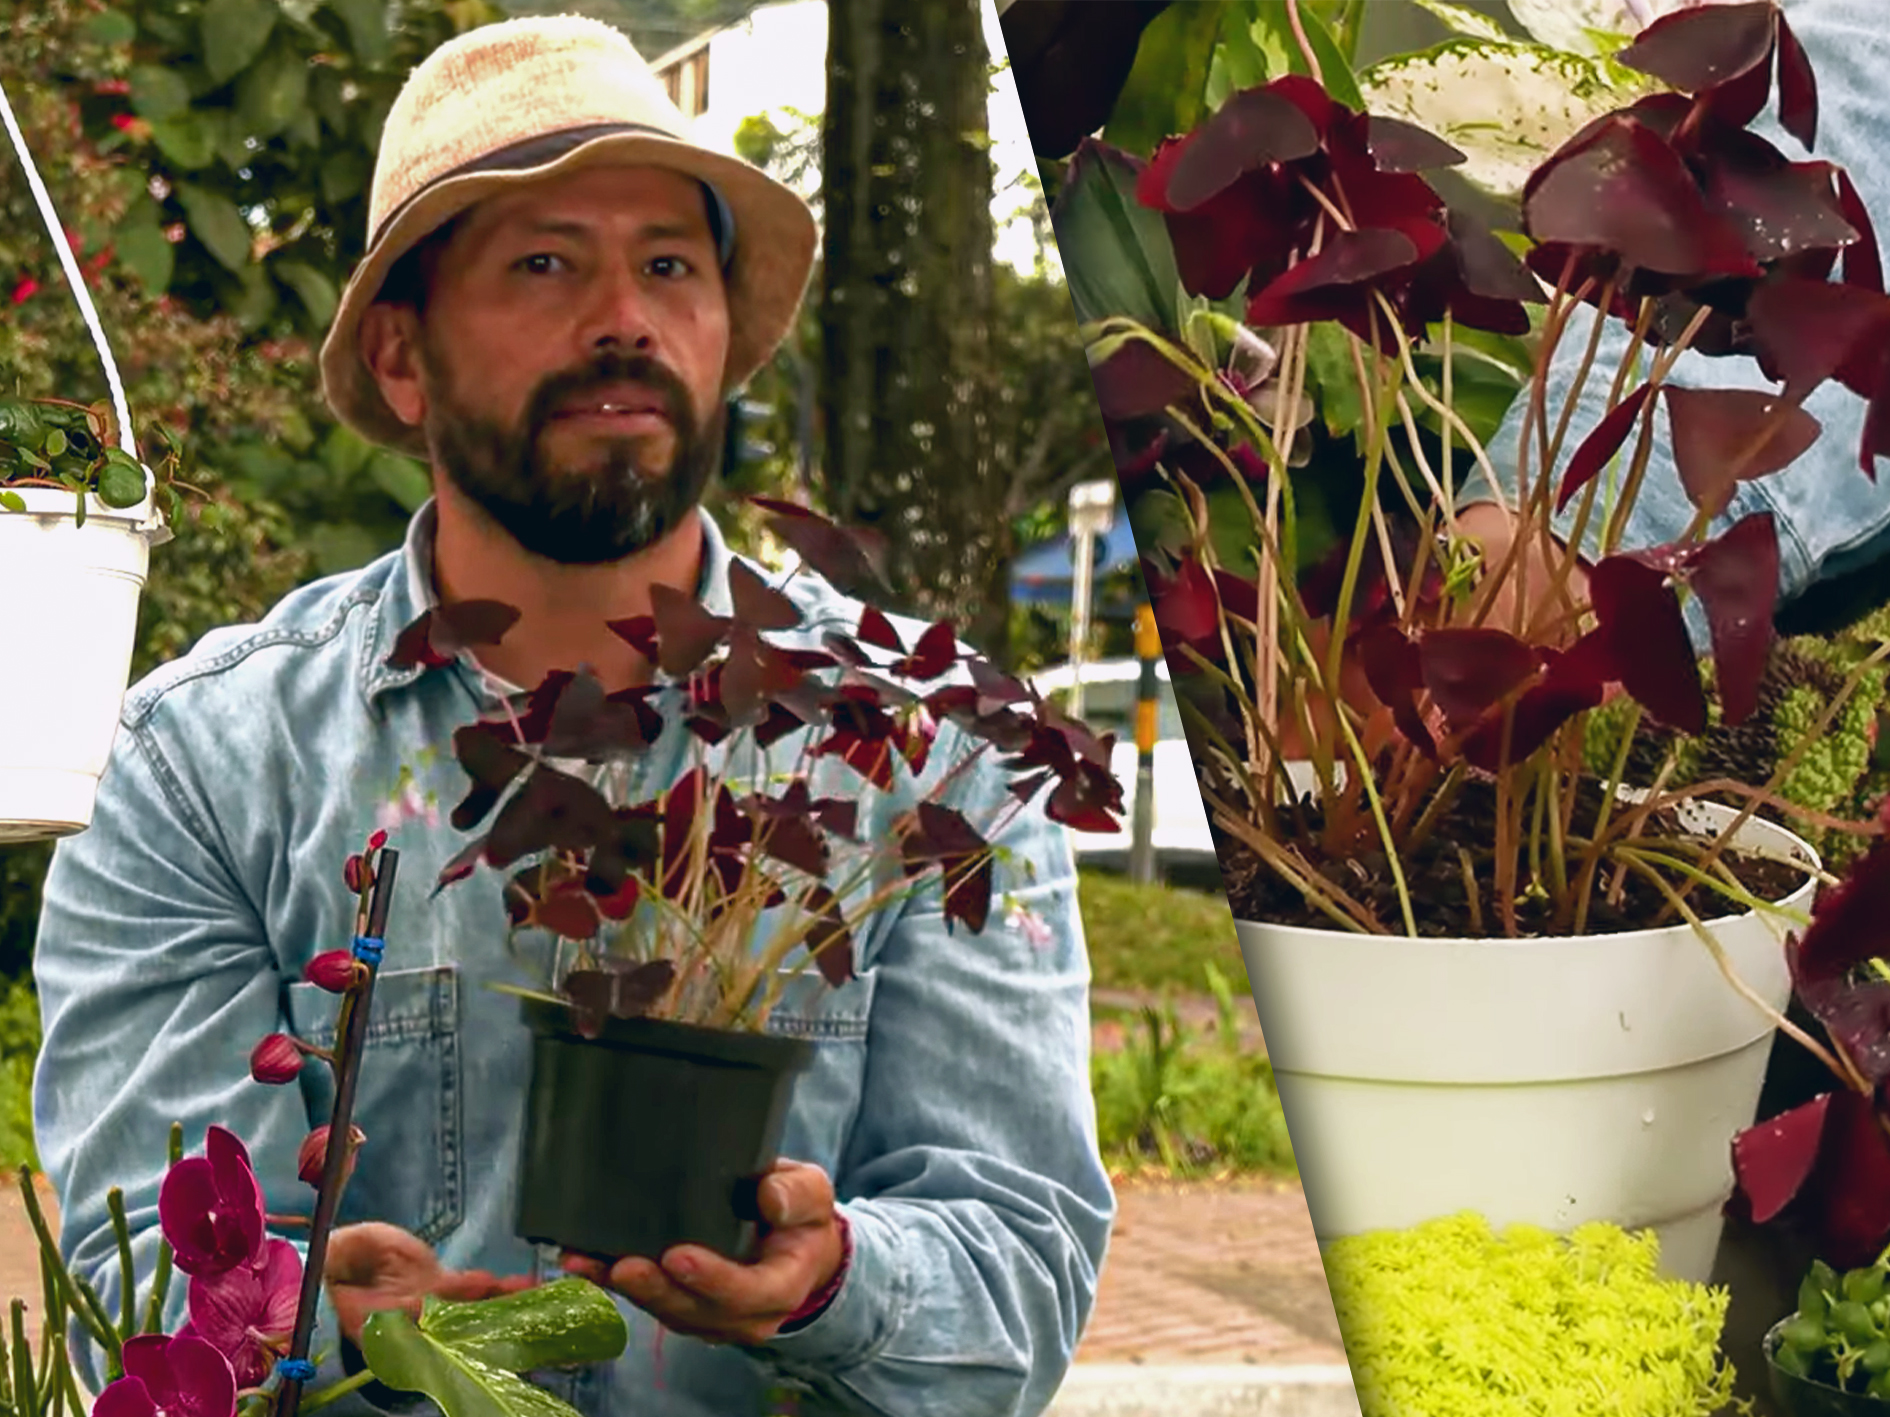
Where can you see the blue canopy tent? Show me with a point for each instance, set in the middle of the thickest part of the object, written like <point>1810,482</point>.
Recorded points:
<point>1046,574</point>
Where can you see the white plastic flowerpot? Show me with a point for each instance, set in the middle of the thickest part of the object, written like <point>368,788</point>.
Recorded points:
<point>1543,1081</point>
<point>72,593</point>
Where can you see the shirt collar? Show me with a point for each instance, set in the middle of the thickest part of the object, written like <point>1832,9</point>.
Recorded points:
<point>410,591</point>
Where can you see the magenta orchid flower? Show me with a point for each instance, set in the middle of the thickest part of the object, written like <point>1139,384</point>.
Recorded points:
<point>178,1376</point>
<point>211,1208</point>
<point>248,1313</point>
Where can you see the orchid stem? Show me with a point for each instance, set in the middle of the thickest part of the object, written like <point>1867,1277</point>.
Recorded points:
<point>161,1279</point>
<point>69,1285</point>
<point>340,1122</point>
<point>127,1271</point>
<point>334,1392</point>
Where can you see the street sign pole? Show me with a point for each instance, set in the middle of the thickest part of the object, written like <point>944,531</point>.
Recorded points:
<point>1148,649</point>
<point>1092,513</point>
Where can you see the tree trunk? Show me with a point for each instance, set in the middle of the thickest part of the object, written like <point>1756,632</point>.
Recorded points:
<point>905,303</point>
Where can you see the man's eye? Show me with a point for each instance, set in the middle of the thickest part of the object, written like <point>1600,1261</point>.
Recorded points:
<point>671,267</point>
<point>539,263</point>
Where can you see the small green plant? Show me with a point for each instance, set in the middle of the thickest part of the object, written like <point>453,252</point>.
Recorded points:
<point>59,444</point>
<point>19,1045</point>
<point>1840,1334</point>
<point>1193,1104</point>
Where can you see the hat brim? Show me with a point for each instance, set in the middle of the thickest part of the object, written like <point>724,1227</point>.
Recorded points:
<point>775,240</point>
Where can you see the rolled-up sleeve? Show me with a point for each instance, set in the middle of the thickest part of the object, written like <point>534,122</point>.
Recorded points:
<point>979,1206</point>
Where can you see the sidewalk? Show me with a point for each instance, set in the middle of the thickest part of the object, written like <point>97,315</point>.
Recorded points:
<point>1213,1302</point>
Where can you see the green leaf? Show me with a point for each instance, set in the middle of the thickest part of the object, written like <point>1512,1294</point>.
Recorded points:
<point>12,501</point>
<point>216,222</point>
<point>144,250</point>
<point>1239,61</point>
<point>340,546</point>
<point>111,27</point>
<point>55,444</point>
<point>1333,380</point>
<point>345,452</point>
<point>271,92</point>
<point>256,299</point>
<point>367,28</point>
<point>121,483</point>
<point>158,93</point>
<point>327,94</point>
<point>403,479</point>
<point>234,33</point>
<point>306,129</point>
<point>188,140</point>
<point>1166,92</point>
<point>1465,21</point>
<point>466,1356</point>
<point>1274,32</point>
<point>315,290</point>
<point>1116,253</point>
<point>1506,106</point>
<point>344,174</point>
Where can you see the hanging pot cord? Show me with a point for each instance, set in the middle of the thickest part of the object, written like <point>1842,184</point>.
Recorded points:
<point>75,281</point>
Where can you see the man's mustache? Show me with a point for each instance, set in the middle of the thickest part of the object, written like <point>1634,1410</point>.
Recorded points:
<point>640,369</point>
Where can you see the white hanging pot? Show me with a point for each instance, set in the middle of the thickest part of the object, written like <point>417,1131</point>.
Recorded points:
<point>65,660</point>
<point>1545,1081</point>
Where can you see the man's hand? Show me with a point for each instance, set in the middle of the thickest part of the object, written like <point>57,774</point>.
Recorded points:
<point>697,1292</point>
<point>373,1267</point>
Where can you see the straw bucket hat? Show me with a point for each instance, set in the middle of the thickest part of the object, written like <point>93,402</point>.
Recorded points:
<point>524,99</point>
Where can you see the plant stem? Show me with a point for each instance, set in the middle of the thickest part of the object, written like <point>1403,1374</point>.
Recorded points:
<point>348,1051</point>
<point>101,1333</point>
<point>161,1280</point>
<point>127,1271</point>
<point>334,1392</point>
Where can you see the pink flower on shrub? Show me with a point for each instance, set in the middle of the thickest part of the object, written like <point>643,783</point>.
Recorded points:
<point>177,1376</point>
<point>211,1208</point>
<point>248,1313</point>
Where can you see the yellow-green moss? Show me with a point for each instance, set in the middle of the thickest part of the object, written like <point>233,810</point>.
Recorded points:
<point>1451,1320</point>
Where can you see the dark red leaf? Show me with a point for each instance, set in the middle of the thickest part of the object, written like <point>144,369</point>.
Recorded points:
<point>1252,129</point>
<point>1807,331</point>
<point>1186,609</point>
<point>465,861</point>
<point>1780,210</point>
<point>635,701</point>
<point>1469,671</point>
<point>486,752</point>
<point>1087,799</point>
<point>552,809</point>
<point>1240,597</point>
<point>1696,48</point>
<point>1863,263</point>
<point>1876,440</point>
<point>1713,430</point>
<point>1736,578</point>
<point>1398,146</point>
<point>1641,612</point>
<point>877,630</point>
<point>1773,1160</point>
<point>797,842</point>
<point>1601,444</point>
<point>1624,190</point>
<point>1850,924</point>
<point>639,632</point>
<point>1137,380</point>
<point>621,989</point>
<point>622,902</point>
<point>568,913</point>
<point>1488,267</point>
<point>936,652</point>
<point>942,837</point>
<point>754,676</point>
<point>686,633</point>
<point>1249,231</point>
<point>1852,1197</point>
<point>1797,87</point>
<point>851,558</point>
<point>757,604</point>
<point>829,942</point>
<point>1733,104</point>
<point>1349,258</point>
<point>1395,672</point>
<point>1539,711</point>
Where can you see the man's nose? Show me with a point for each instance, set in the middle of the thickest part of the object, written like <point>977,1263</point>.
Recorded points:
<point>618,313</point>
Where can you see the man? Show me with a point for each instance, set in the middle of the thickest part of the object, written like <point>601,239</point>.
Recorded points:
<point>559,293</point>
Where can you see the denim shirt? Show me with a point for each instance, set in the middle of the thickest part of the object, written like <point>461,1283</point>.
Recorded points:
<point>949,1099</point>
<point>1832,520</point>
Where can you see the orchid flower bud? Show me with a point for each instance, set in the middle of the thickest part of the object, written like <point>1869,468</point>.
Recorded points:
<point>312,1160</point>
<point>333,970</point>
<point>275,1060</point>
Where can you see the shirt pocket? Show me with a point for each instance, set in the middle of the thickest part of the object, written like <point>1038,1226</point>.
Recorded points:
<point>811,1008</point>
<point>410,1171</point>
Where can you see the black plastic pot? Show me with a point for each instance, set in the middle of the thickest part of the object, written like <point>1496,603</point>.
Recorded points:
<point>653,1134</point>
<point>1804,1397</point>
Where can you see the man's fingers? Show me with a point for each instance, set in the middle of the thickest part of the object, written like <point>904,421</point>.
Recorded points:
<point>793,1194</point>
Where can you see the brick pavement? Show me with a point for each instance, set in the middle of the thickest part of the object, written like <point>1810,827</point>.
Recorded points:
<point>1211,1273</point>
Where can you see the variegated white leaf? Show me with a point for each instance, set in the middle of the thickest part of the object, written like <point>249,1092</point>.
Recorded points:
<point>1594,27</point>
<point>1465,21</point>
<point>1505,105</point>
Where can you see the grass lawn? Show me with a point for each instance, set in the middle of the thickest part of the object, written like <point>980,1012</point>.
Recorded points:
<point>1156,938</point>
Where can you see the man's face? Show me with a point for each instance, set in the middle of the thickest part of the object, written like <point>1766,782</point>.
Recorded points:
<point>571,357</point>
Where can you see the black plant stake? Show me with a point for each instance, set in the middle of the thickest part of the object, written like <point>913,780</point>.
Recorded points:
<point>351,1033</point>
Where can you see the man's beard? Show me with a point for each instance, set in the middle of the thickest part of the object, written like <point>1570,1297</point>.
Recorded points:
<point>584,515</point>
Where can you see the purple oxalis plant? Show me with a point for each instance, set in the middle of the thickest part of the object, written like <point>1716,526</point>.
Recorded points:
<point>661,901</point>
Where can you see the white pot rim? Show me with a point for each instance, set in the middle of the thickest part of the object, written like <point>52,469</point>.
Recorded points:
<point>56,504</point>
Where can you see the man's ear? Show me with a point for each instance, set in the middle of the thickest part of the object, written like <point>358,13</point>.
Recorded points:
<point>389,341</point>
